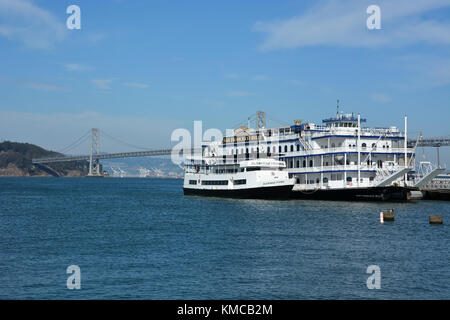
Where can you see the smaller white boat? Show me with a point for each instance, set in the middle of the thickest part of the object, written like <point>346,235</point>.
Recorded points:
<point>252,179</point>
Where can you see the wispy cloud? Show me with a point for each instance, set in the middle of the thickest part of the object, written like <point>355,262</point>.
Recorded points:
<point>103,83</point>
<point>296,82</point>
<point>44,86</point>
<point>240,94</point>
<point>339,23</point>
<point>232,76</point>
<point>95,37</point>
<point>76,67</point>
<point>35,85</point>
<point>380,97</point>
<point>260,77</point>
<point>23,21</point>
<point>136,85</point>
<point>421,71</point>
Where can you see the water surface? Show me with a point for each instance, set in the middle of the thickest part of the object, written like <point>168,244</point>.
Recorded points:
<point>142,239</point>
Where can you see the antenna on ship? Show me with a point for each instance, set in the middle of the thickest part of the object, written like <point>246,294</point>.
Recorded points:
<point>337,109</point>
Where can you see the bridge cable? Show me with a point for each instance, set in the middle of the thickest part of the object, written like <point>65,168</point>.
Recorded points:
<point>121,142</point>
<point>75,143</point>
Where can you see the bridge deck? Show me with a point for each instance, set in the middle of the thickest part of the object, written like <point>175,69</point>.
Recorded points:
<point>162,152</point>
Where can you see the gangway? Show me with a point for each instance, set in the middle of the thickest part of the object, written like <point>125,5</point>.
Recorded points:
<point>389,179</point>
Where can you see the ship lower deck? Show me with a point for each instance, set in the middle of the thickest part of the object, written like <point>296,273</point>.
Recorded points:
<point>282,192</point>
<point>391,193</point>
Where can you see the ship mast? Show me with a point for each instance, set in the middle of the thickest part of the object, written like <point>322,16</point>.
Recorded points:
<point>359,149</point>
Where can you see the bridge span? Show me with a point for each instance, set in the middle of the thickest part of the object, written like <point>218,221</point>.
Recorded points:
<point>152,153</point>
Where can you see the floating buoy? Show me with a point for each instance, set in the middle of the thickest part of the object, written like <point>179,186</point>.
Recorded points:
<point>388,215</point>
<point>435,219</point>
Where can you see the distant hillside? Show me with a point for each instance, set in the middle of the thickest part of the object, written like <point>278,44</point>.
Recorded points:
<point>15,160</point>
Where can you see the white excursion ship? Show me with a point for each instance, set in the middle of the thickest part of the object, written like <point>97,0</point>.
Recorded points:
<point>261,178</point>
<point>339,159</point>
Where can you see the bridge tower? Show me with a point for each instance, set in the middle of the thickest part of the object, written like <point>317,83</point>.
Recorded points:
<point>260,120</point>
<point>94,164</point>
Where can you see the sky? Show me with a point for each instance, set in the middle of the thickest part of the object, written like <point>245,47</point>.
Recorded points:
<point>138,69</point>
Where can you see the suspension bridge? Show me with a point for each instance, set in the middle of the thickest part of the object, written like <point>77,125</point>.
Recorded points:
<point>95,155</point>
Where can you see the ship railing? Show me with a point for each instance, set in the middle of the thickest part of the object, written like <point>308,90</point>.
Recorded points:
<point>348,167</point>
<point>347,149</point>
<point>352,131</point>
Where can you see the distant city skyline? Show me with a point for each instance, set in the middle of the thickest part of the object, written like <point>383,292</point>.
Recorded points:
<point>140,69</point>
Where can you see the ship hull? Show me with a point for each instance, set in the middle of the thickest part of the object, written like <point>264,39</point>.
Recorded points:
<point>442,194</point>
<point>355,194</point>
<point>283,192</point>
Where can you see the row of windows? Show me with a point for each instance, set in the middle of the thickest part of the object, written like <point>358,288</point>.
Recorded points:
<point>293,148</point>
<point>325,180</point>
<point>268,150</point>
<point>303,163</point>
<point>228,170</point>
<point>215,182</point>
<point>218,182</point>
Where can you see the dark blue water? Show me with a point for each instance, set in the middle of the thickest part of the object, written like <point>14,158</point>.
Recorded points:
<point>142,239</point>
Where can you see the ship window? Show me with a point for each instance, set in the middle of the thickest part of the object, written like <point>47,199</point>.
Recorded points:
<point>349,179</point>
<point>292,148</point>
<point>192,181</point>
<point>310,163</point>
<point>253,169</point>
<point>279,149</point>
<point>298,147</point>
<point>285,149</point>
<point>215,182</point>
<point>364,145</point>
<point>298,164</point>
<point>333,145</point>
<point>304,163</point>
<point>325,180</point>
<point>240,181</point>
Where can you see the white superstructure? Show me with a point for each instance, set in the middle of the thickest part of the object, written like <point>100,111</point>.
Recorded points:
<point>338,154</point>
<point>261,178</point>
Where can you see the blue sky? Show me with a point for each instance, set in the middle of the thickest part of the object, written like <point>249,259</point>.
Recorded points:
<point>139,69</point>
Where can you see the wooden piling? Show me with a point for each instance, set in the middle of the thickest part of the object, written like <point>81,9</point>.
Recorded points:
<point>435,219</point>
<point>389,215</point>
